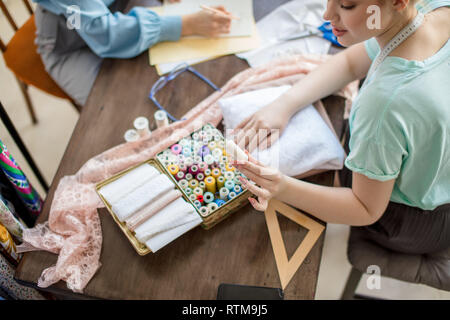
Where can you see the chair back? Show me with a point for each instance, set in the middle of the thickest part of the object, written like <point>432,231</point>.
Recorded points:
<point>11,20</point>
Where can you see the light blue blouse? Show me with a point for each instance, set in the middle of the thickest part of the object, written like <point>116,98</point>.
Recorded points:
<point>117,35</point>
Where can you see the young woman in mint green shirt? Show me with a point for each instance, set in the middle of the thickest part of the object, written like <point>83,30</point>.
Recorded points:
<point>399,143</point>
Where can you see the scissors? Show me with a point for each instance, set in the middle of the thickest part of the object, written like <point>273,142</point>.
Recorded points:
<point>324,30</point>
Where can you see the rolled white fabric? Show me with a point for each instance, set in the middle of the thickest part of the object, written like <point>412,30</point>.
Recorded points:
<point>140,197</point>
<point>234,151</point>
<point>175,214</point>
<point>117,189</point>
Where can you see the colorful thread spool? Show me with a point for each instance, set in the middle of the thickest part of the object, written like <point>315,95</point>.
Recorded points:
<point>224,160</point>
<point>220,182</point>
<point>141,126</point>
<point>219,202</point>
<point>197,204</point>
<point>208,197</point>
<point>200,176</point>
<point>210,183</point>
<point>198,191</point>
<point>215,173</point>
<point>229,184</point>
<point>183,183</point>
<point>202,185</point>
<point>217,152</point>
<point>237,189</point>
<point>189,176</point>
<point>187,151</point>
<point>195,136</point>
<point>207,172</point>
<point>212,206</point>
<point>197,160</point>
<point>204,151</point>
<point>176,149</point>
<point>192,197</point>
<point>212,145</point>
<point>179,175</point>
<point>229,167</point>
<point>193,169</point>
<point>188,162</point>
<point>223,193</point>
<point>236,180</point>
<point>202,166</point>
<point>231,195</point>
<point>200,198</point>
<point>204,211</point>
<point>182,167</point>
<point>221,145</point>
<point>188,191</point>
<point>161,119</point>
<point>193,183</point>
<point>173,169</point>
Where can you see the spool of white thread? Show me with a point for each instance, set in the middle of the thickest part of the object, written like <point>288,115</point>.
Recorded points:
<point>131,135</point>
<point>141,125</point>
<point>161,119</point>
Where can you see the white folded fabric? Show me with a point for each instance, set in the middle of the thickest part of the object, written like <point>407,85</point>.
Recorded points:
<point>161,239</point>
<point>141,196</point>
<point>175,214</point>
<point>115,190</point>
<point>306,143</point>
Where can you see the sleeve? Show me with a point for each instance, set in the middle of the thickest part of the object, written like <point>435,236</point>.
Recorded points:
<point>372,48</point>
<point>121,35</point>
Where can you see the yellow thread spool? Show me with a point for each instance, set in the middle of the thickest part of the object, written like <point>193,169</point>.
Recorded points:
<point>229,167</point>
<point>193,183</point>
<point>215,173</point>
<point>210,183</point>
<point>220,182</point>
<point>173,169</point>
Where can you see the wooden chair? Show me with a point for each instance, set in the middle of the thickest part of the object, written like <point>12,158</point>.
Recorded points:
<point>22,59</point>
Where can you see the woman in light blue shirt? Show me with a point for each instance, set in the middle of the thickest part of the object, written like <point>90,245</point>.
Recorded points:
<point>74,36</point>
<point>398,188</point>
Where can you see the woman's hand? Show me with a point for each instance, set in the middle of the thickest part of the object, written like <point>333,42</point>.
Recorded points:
<point>262,128</point>
<point>269,181</point>
<point>204,23</point>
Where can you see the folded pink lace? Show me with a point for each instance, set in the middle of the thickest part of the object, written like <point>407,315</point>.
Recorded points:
<point>73,229</point>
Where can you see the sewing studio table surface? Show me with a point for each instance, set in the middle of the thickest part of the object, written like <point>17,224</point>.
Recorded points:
<point>237,250</point>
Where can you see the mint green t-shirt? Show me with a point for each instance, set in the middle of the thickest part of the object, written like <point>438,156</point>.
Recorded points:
<point>400,125</point>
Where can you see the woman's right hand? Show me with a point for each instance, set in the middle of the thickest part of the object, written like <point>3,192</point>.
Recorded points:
<point>207,24</point>
<point>262,128</point>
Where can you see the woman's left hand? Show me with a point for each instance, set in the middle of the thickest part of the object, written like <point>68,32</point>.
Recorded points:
<point>269,181</point>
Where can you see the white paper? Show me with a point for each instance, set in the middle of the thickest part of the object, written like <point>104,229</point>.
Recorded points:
<point>288,20</point>
<point>243,9</point>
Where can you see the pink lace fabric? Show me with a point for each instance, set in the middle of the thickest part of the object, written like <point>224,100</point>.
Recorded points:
<point>73,229</point>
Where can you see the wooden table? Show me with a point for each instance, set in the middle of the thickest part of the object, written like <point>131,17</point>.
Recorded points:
<point>238,250</point>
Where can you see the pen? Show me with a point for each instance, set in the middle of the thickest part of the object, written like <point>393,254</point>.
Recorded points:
<point>212,10</point>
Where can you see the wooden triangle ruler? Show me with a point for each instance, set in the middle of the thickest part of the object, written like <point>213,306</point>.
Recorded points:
<point>287,268</point>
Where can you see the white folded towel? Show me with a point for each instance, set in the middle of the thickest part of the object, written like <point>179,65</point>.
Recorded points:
<point>143,195</point>
<point>306,143</point>
<point>175,214</point>
<point>117,189</point>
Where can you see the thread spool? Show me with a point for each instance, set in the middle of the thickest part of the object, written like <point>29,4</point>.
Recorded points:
<point>204,211</point>
<point>229,184</point>
<point>224,160</point>
<point>219,202</point>
<point>141,125</point>
<point>195,136</point>
<point>223,193</point>
<point>230,167</point>
<point>209,159</point>
<point>184,142</point>
<point>204,151</point>
<point>173,169</point>
<point>229,175</point>
<point>183,183</point>
<point>212,206</point>
<point>131,135</point>
<point>188,162</point>
<point>182,167</point>
<point>217,152</point>
<point>208,197</point>
<point>192,197</point>
<point>197,204</point>
<point>193,183</point>
<point>193,169</point>
<point>207,172</point>
<point>200,198</point>
<point>231,195</point>
<point>161,119</point>
<point>179,175</point>
<point>176,149</point>
<point>237,189</point>
<point>188,176</point>
<point>221,144</point>
<point>202,166</point>
<point>236,180</point>
<point>187,151</point>
<point>215,173</point>
<point>202,185</point>
<point>210,183</point>
<point>198,191</point>
<point>220,182</point>
<point>200,176</point>
<point>188,191</point>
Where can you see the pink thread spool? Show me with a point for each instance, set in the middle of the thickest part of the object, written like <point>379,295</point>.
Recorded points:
<point>193,169</point>
<point>202,166</point>
<point>176,149</point>
<point>183,167</point>
<point>179,175</point>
